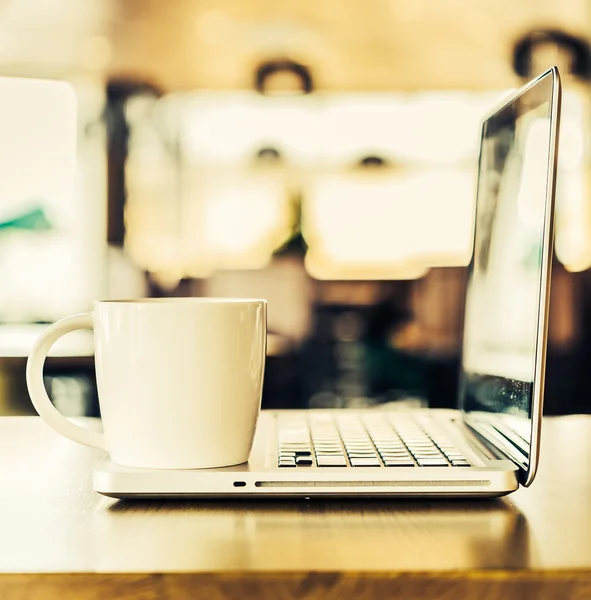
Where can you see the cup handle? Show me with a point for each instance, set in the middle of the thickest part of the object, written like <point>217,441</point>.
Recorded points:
<point>47,411</point>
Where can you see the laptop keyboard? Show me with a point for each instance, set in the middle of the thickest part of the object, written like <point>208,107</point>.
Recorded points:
<point>368,440</point>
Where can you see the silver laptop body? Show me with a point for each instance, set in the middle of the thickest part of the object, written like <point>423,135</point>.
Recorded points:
<point>490,443</point>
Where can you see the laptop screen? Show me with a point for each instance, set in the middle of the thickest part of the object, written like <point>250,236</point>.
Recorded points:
<point>506,290</point>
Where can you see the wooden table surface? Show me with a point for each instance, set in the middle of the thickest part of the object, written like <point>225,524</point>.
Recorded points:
<point>58,539</point>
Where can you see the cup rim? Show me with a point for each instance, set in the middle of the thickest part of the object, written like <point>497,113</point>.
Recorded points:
<point>185,300</point>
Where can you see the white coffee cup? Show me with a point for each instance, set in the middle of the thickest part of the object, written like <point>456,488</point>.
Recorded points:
<point>179,380</point>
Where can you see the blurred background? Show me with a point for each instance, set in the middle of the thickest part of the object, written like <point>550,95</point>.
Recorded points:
<point>321,155</point>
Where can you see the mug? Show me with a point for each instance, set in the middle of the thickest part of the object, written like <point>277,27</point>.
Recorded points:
<point>179,380</point>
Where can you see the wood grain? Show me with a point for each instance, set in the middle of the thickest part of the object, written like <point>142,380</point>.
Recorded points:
<point>311,586</point>
<point>58,539</point>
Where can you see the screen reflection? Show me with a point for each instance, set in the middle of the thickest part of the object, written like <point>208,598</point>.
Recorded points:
<point>504,287</point>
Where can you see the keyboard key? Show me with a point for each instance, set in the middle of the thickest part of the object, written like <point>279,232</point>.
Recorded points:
<point>424,457</point>
<point>364,456</point>
<point>397,457</point>
<point>302,446</point>
<point>366,440</point>
<point>330,454</point>
<point>365,462</point>
<point>331,461</point>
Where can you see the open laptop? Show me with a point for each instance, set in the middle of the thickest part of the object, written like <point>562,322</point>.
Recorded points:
<point>490,443</point>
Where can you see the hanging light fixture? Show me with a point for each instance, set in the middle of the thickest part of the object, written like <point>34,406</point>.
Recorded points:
<point>533,53</point>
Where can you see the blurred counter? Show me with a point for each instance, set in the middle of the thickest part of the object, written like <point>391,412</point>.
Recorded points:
<point>16,341</point>
<point>70,374</point>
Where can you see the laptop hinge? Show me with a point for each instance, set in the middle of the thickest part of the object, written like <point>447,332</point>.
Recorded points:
<point>496,442</point>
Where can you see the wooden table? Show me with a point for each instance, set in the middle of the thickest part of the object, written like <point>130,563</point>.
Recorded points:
<point>58,539</point>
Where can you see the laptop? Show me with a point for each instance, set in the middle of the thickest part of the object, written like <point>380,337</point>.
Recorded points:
<point>490,443</point>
